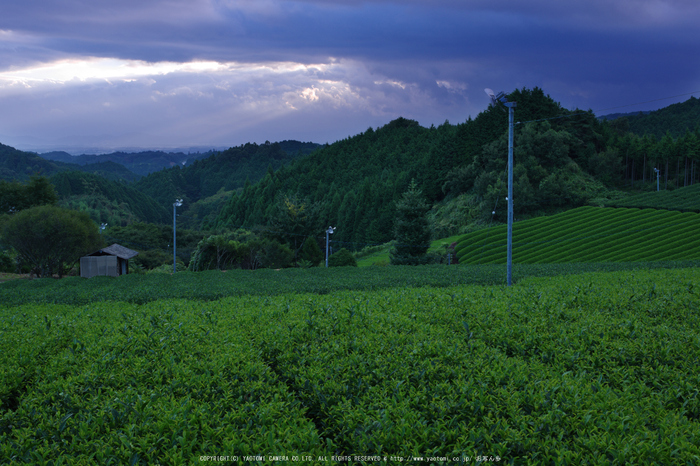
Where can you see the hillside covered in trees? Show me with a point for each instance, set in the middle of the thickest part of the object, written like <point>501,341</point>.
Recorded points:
<point>563,159</point>
<point>288,191</point>
<point>111,202</point>
<point>227,170</point>
<point>20,165</point>
<point>676,120</point>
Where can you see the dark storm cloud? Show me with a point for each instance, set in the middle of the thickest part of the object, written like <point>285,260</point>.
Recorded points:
<point>368,62</point>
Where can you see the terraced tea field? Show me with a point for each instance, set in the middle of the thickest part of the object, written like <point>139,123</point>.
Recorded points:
<point>684,199</point>
<point>589,234</point>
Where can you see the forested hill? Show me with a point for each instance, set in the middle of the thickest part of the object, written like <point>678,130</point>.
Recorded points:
<point>110,170</point>
<point>19,165</point>
<point>353,184</point>
<point>143,163</point>
<point>227,170</point>
<point>676,119</point>
<point>107,201</point>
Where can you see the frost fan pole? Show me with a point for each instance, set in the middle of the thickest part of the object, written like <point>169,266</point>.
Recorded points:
<point>501,97</point>
<point>176,204</point>
<point>329,231</point>
<point>510,106</point>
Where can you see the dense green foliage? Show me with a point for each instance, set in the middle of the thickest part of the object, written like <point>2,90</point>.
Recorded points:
<point>16,196</point>
<point>589,234</point>
<point>240,250</point>
<point>201,214</point>
<point>111,171</point>
<point>355,182</point>
<point>311,252</point>
<point>107,201</point>
<point>563,159</point>
<point>293,221</point>
<point>50,238</point>
<point>676,159</point>
<point>591,369</point>
<point>154,242</point>
<point>342,258</point>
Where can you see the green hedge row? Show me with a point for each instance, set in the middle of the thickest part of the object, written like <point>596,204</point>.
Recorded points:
<point>212,285</point>
<point>683,199</point>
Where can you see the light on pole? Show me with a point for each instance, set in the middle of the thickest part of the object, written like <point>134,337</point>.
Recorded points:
<point>657,178</point>
<point>501,97</point>
<point>176,204</point>
<point>329,231</point>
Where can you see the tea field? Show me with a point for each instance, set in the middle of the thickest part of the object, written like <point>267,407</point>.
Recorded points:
<point>590,368</point>
<point>685,199</point>
<point>589,234</point>
<point>214,284</point>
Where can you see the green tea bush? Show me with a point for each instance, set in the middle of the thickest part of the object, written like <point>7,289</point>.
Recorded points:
<point>598,368</point>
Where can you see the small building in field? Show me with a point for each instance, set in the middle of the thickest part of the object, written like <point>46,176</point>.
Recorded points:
<point>111,261</point>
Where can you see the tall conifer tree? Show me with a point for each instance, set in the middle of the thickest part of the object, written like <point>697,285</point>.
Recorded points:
<point>411,228</point>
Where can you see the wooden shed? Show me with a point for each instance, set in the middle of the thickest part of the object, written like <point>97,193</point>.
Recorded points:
<point>111,261</point>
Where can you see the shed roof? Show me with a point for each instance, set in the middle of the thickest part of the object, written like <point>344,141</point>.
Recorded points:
<point>116,250</point>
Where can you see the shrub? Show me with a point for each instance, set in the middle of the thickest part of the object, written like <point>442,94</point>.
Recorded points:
<point>7,265</point>
<point>342,258</point>
<point>50,238</point>
<point>311,252</point>
<point>152,259</point>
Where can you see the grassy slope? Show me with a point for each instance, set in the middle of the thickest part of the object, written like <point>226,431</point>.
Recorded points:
<point>381,257</point>
<point>589,234</point>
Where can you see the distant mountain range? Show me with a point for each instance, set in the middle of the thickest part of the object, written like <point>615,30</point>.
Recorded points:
<point>112,193</point>
<point>117,166</point>
<point>143,163</point>
<point>140,163</point>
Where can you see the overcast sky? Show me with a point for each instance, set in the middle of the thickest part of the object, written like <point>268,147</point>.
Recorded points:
<point>85,74</point>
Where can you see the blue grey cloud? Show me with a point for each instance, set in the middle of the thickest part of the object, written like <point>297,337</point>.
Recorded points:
<point>320,69</point>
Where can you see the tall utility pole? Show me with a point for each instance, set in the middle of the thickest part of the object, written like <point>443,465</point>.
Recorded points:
<point>178,203</point>
<point>501,97</point>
